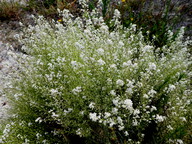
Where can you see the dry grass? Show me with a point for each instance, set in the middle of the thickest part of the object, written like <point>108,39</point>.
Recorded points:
<point>10,10</point>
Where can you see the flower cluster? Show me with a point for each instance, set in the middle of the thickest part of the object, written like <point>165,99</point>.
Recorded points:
<point>85,80</point>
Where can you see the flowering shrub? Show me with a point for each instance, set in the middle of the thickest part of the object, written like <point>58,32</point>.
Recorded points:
<point>82,83</point>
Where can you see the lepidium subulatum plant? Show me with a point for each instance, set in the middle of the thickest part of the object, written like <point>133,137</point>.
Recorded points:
<point>84,84</point>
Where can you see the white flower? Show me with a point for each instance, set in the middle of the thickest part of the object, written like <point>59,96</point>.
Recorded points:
<point>119,120</point>
<point>170,127</point>
<point>84,97</point>
<point>44,141</point>
<point>128,104</point>
<point>100,51</point>
<point>112,122</point>
<point>109,42</point>
<point>120,82</point>
<point>152,93</point>
<point>53,91</point>
<point>82,112</point>
<point>106,115</point>
<point>129,90</point>
<point>126,133</point>
<point>113,66</point>
<point>130,83</point>
<point>67,111</point>
<point>171,88</point>
<point>54,115</point>
<point>126,64</point>
<point>87,32</point>
<point>74,63</point>
<point>78,132</point>
<point>153,108</point>
<point>113,93</point>
<point>16,96</point>
<point>160,118</point>
<point>121,44</point>
<point>38,120</point>
<point>117,14</point>
<point>121,127</point>
<point>78,45</point>
<point>94,117</point>
<point>114,110</point>
<point>51,66</point>
<point>70,109</point>
<point>16,36</point>
<point>142,135</point>
<point>92,105</point>
<point>21,24</point>
<point>136,112</point>
<point>29,124</point>
<point>179,141</point>
<point>135,123</point>
<point>38,135</point>
<point>183,119</point>
<point>145,96</point>
<point>101,62</point>
<point>116,102</point>
<point>147,48</point>
<point>109,81</point>
<point>112,35</point>
<point>152,66</point>
<point>61,59</point>
<point>104,28</point>
<point>76,90</point>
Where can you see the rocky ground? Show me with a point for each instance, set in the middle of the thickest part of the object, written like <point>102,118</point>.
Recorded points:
<point>8,61</point>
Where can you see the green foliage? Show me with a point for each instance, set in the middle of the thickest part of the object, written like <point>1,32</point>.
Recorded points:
<point>155,18</point>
